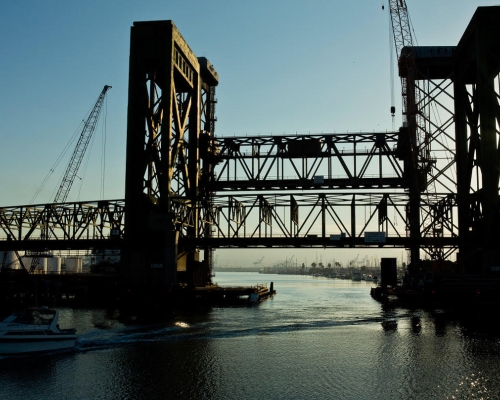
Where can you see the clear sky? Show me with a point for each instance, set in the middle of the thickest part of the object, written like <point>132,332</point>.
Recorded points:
<point>285,66</point>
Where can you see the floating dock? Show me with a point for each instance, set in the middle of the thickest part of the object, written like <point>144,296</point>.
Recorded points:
<point>233,295</point>
<point>20,289</point>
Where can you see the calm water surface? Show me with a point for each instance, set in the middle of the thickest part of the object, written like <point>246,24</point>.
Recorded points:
<point>317,338</point>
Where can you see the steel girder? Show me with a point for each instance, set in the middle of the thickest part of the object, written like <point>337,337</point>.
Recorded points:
<point>186,186</point>
<point>477,88</point>
<point>309,219</point>
<point>68,225</point>
<point>428,151</point>
<point>243,220</point>
<point>453,135</point>
<point>326,161</point>
<point>167,85</point>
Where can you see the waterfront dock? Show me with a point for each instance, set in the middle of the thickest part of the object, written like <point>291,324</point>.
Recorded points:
<point>459,292</point>
<point>238,294</point>
<point>18,288</point>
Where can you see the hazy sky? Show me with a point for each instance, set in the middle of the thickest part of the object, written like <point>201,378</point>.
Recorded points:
<point>284,66</point>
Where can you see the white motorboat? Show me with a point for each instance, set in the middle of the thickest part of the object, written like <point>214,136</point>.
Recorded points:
<point>34,331</point>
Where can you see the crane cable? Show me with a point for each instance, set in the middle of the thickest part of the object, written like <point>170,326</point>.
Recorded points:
<point>391,72</point>
<point>58,160</point>
<point>72,139</point>
<point>103,155</point>
<point>84,172</point>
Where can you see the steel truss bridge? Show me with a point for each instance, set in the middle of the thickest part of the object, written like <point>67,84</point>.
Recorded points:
<point>295,205</point>
<point>430,187</point>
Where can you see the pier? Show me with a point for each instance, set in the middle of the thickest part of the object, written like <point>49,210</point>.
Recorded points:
<point>20,289</point>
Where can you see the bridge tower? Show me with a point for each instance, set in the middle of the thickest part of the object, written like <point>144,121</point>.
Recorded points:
<point>477,120</point>
<point>169,125</point>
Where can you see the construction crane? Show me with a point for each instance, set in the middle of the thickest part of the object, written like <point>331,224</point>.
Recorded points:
<point>72,169</point>
<point>414,138</point>
<point>404,44</point>
<point>401,31</point>
<point>81,147</point>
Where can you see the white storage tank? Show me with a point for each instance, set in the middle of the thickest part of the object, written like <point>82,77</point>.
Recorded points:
<point>11,260</point>
<point>42,265</point>
<point>74,264</point>
<point>54,265</point>
<point>15,264</point>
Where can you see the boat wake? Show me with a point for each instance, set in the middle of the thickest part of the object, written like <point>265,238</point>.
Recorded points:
<point>99,339</point>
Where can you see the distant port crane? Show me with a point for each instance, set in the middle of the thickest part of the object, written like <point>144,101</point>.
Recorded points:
<point>258,262</point>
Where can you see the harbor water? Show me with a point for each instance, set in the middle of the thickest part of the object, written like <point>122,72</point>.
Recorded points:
<point>318,338</point>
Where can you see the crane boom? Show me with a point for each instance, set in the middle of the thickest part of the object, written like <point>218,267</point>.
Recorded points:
<point>401,30</point>
<point>417,148</point>
<point>81,147</point>
<point>411,95</point>
<point>400,25</point>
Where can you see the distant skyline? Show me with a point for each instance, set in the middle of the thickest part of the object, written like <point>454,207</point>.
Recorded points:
<point>284,66</point>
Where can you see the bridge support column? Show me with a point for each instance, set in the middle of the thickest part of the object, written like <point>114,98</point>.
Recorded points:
<point>477,118</point>
<point>167,110</point>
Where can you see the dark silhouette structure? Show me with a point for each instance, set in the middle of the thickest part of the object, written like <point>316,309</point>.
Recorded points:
<point>189,191</point>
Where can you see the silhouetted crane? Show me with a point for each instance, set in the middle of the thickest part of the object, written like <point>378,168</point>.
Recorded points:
<point>73,167</point>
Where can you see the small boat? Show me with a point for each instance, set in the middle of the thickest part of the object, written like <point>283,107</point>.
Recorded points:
<point>356,276</point>
<point>34,331</point>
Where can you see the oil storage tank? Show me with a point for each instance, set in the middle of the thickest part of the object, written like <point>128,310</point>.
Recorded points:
<point>8,259</point>
<point>73,264</point>
<point>54,265</point>
<point>42,265</point>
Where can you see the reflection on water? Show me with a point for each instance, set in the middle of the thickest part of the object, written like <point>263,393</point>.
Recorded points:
<point>317,338</point>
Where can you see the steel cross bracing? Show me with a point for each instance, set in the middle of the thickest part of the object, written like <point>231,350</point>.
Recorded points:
<point>286,220</point>
<point>307,162</point>
<point>169,148</point>
<point>432,84</point>
<point>477,108</point>
<point>80,225</point>
<point>456,98</point>
<point>298,219</point>
<point>416,152</point>
<point>80,149</point>
<point>312,162</point>
<point>330,161</point>
<point>189,189</point>
<point>435,108</point>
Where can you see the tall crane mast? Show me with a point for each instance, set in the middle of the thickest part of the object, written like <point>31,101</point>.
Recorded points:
<point>411,96</point>
<point>401,30</point>
<point>400,24</point>
<point>81,147</point>
<point>415,141</point>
